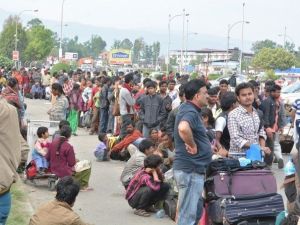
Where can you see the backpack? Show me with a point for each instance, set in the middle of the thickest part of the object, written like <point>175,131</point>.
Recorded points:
<point>170,207</point>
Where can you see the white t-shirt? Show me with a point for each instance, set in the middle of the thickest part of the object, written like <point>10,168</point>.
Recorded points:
<point>220,124</point>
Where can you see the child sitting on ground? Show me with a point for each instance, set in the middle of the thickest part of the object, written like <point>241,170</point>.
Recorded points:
<point>101,149</point>
<point>40,150</point>
<point>147,188</point>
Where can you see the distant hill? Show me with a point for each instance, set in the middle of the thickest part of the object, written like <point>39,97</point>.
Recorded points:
<point>84,33</point>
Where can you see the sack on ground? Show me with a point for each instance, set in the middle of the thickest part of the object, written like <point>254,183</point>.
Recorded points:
<point>82,165</point>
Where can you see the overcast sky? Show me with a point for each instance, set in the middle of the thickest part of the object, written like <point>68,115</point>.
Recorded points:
<point>267,17</point>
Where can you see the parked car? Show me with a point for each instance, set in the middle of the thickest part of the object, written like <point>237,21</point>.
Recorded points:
<point>239,79</point>
<point>290,93</point>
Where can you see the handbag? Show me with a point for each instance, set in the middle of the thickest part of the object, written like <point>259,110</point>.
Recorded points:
<point>287,142</point>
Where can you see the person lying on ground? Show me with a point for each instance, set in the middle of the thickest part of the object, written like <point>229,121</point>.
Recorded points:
<point>147,187</point>
<point>136,161</point>
<point>59,211</point>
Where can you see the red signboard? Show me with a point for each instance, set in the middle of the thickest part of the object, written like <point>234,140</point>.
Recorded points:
<point>15,55</point>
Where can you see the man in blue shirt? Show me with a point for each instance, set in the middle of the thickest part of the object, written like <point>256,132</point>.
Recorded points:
<point>193,153</point>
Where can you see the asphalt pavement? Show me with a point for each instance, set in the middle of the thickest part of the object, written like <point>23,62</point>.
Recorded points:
<point>106,204</point>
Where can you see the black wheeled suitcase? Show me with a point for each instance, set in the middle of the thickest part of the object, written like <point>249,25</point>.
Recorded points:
<point>246,211</point>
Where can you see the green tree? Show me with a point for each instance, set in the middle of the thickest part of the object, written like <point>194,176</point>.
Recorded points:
<point>95,46</point>
<point>236,53</point>
<point>40,43</point>
<point>258,45</point>
<point>60,66</point>
<point>156,51</point>
<point>73,45</point>
<point>148,54</point>
<point>271,59</point>
<point>7,37</point>
<point>197,61</point>
<point>289,46</point>
<point>126,44</point>
<point>116,44</point>
<point>137,49</point>
<point>173,61</point>
<point>34,22</point>
<point>6,62</point>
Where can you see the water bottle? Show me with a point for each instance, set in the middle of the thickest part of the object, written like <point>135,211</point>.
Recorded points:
<point>289,168</point>
<point>160,214</point>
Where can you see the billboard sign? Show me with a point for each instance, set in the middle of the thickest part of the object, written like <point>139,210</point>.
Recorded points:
<point>71,56</point>
<point>120,57</point>
<point>15,55</point>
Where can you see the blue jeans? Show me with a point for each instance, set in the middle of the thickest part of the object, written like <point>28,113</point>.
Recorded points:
<point>103,120</point>
<point>5,204</point>
<point>190,202</point>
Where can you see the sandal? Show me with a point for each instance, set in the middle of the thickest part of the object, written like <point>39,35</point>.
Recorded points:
<point>151,209</point>
<point>87,189</point>
<point>141,212</point>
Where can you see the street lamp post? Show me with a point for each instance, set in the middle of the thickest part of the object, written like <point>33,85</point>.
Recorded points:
<point>169,41</point>
<point>228,37</point>
<point>60,53</point>
<point>242,45</point>
<point>16,32</point>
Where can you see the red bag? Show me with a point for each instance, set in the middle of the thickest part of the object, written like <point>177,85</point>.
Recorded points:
<point>31,170</point>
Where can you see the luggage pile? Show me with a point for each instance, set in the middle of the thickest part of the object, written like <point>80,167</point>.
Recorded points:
<point>238,195</point>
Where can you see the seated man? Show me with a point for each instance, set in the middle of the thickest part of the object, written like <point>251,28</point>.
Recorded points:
<point>59,211</point>
<point>37,91</point>
<point>136,161</point>
<point>132,135</point>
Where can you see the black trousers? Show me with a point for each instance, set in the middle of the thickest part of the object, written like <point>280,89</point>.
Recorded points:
<point>146,197</point>
<point>269,158</point>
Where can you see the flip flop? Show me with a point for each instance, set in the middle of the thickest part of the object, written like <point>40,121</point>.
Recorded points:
<point>141,212</point>
<point>87,189</point>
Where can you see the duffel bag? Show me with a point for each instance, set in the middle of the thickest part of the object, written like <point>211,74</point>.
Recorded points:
<point>223,164</point>
<point>260,221</point>
<point>240,184</point>
<point>247,210</point>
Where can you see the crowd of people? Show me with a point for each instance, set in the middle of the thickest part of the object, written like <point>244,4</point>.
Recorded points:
<point>156,126</point>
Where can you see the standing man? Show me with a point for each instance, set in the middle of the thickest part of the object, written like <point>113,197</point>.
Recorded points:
<point>274,121</point>
<point>213,103</point>
<point>223,86</point>
<point>104,105</point>
<point>152,112</point>
<point>126,103</point>
<point>10,154</point>
<point>244,125</point>
<point>167,101</point>
<point>193,153</point>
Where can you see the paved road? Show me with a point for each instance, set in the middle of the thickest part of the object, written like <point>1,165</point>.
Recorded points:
<point>106,204</point>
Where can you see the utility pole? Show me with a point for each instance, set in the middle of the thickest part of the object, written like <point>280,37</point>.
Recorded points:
<point>242,46</point>
<point>182,47</point>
